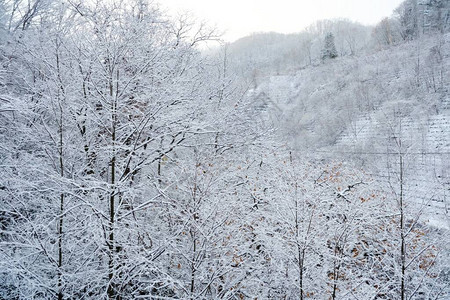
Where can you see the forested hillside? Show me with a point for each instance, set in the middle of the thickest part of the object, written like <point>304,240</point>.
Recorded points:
<point>133,165</point>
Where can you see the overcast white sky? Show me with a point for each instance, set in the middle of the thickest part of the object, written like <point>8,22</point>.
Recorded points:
<point>242,17</point>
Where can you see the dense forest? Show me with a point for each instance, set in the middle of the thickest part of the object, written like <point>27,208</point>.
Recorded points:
<point>135,164</point>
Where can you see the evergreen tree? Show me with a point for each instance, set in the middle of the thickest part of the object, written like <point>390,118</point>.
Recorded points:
<point>329,49</point>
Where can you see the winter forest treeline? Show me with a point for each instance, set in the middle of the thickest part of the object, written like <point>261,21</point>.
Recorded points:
<point>135,166</point>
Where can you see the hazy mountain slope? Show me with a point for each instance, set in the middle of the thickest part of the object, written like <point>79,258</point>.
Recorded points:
<point>321,103</point>
<point>273,53</point>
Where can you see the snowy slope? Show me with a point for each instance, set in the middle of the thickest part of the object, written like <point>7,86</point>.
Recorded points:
<point>358,108</point>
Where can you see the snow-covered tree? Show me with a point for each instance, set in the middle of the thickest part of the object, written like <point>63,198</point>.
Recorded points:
<point>329,48</point>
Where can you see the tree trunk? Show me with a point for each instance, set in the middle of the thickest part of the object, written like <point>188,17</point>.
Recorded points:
<point>61,172</point>
<point>402,233</point>
<point>111,263</point>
